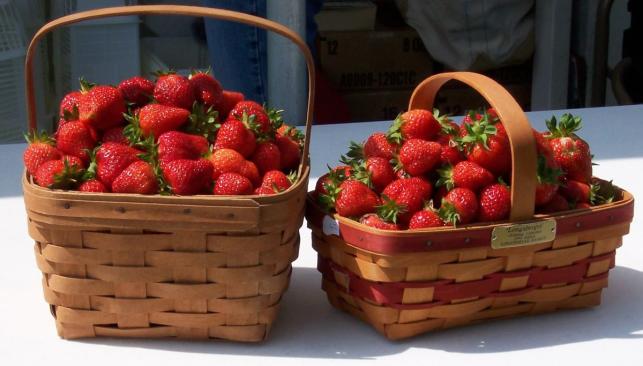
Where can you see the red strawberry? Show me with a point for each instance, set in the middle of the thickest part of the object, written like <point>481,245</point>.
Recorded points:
<point>228,100</point>
<point>376,172</point>
<point>424,219</point>
<point>548,181</point>
<point>58,174</point>
<point>226,161</point>
<point>156,119</point>
<point>450,155</point>
<point>378,145</point>
<point>40,149</point>
<point>460,205</point>
<point>579,192</point>
<point>138,177</point>
<point>232,184</point>
<point>487,145</point>
<point>234,135</point>
<point>267,157</point>
<point>289,152</point>
<point>355,199</point>
<point>373,220</point>
<point>465,174</point>
<point>409,194</point>
<point>276,180</point>
<point>111,159</point>
<point>77,139</point>
<point>174,145</point>
<point>495,203</point>
<point>264,191</point>
<point>556,204</point>
<point>174,91</point>
<point>332,179</point>
<point>92,185</point>
<point>250,171</point>
<point>115,135</point>
<point>419,156</point>
<point>68,110</point>
<point>137,90</point>
<point>188,177</point>
<point>414,124</point>
<point>207,89</point>
<point>101,107</point>
<point>255,114</point>
<point>570,151</point>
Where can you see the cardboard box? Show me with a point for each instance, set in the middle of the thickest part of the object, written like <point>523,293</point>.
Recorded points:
<point>455,99</point>
<point>385,59</point>
<point>346,15</point>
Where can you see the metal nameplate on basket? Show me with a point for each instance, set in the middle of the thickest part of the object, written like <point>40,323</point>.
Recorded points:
<point>523,234</point>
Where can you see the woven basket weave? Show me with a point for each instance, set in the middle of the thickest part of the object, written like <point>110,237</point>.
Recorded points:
<point>408,283</point>
<point>166,266</point>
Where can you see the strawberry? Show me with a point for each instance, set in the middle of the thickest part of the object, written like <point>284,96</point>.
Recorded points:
<point>378,145</point>
<point>111,159</point>
<point>226,161</point>
<point>556,204</point>
<point>174,90</point>
<point>548,181</point>
<point>138,177</point>
<point>447,137</point>
<point>40,149</point>
<point>373,220</point>
<point>76,138</point>
<point>276,180</point>
<point>187,177</point>
<point>579,192</point>
<point>495,203</point>
<point>355,199</point>
<point>267,157</point>
<point>264,191</point>
<point>487,144</point>
<point>115,135</point>
<point>58,174</point>
<point>228,100</point>
<point>101,107</point>
<point>570,151</point>
<point>289,151</point>
<point>136,90</point>
<point>249,170</point>
<point>68,110</point>
<point>232,184</point>
<point>174,145</point>
<point>460,205</point>
<point>234,135</point>
<point>410,194</point>
<point>414,124</point>
<point>156,119</point>
<point>332,180</point>
<point>450,154</point>
<point>376,172</point>
<point>424,219</point>
<point>465,174</point>
<point>207,89</point>
<point>92,185</point>
<point>418,157</point>
<point>255,114</point>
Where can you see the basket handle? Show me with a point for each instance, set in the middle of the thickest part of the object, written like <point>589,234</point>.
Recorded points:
<point>519,131</point>
<point>195,11</point>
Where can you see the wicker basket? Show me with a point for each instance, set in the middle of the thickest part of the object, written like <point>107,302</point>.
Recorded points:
<point>165,266</point>
<point>411,282</point>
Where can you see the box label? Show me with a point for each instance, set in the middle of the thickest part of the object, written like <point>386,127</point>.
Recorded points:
<point>523,234</point>
<point>330,226</point>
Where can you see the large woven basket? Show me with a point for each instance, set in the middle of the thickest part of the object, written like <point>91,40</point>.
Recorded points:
<point>165,266</point>
<point>412,282</point>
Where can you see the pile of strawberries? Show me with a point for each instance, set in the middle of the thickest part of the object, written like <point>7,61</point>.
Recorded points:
<point>428,171</point>
<point>178,135</point>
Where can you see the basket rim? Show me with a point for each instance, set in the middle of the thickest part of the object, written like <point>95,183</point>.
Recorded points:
<point>202,199</point>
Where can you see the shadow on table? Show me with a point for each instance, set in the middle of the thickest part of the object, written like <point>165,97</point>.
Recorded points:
<point>309,327</point>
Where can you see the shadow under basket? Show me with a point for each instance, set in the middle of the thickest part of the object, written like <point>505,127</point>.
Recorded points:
<point>409,282</point>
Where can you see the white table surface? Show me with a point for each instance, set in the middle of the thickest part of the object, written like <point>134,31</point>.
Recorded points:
<point>310,331</point>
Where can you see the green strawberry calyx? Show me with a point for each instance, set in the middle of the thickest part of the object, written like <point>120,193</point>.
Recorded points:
<point>335,179</point>
<point>478,132</point>
<point>566,127</point>
<point>43,137</point>
<point>203,121</point>
<point>394,134</point>
<point>354,156</point>
<point>446,177</point>
<point>545,173</point>
<point>448,213</point>
<point>389,210</point>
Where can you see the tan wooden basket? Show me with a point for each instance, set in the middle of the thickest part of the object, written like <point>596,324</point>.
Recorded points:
<point>406,283</point>
<point>164,266</point>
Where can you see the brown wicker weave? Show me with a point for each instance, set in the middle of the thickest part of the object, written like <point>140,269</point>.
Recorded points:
<point>165,266</point>
<point>406,283</point>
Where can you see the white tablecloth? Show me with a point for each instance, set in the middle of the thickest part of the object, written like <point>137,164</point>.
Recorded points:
<point>310,331</point>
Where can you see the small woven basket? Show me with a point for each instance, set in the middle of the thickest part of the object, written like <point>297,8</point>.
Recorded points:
<point>165,266</point>
<point>411,282</point>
